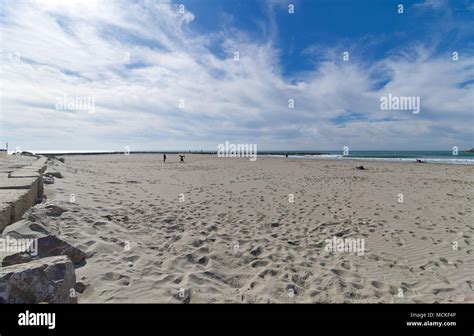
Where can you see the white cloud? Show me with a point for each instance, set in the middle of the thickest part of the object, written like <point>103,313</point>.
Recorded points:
<point>433,4</point>
<point>67,48</point>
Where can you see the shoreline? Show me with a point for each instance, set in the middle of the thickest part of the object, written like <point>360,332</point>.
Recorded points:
<point>467,160</point>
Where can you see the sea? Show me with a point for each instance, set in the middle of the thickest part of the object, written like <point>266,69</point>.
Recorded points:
<point>447,157</point>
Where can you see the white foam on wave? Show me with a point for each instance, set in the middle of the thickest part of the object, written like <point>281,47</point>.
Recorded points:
<point>427,160</point>
<point>341,157</point>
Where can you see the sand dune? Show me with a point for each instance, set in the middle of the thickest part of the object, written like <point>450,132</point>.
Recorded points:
<point>223,229</point>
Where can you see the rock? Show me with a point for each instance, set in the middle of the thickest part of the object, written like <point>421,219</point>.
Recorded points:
<point>25,228</point>
<point>42,213</point>
<point>46,247</point>
<point>48,179</point>
<point>80,287</point>
<point>38,228</point>
<point>54,173</point>
<point>256,251</point>
<point>54,210</point>
<point>53,160</point>
<point>45,280</point>
<point>24,153</point>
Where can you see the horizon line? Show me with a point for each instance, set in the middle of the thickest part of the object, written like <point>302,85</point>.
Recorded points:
<point>209,151</point>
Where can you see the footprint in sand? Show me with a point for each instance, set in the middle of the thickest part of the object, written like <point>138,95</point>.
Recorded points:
<point>379,285</point>
<point>346,274</point>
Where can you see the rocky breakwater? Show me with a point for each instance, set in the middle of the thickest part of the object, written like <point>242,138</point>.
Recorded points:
<point>36,266</point>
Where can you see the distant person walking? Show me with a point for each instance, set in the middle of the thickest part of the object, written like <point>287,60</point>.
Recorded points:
<point>181,158</point>
<point>164,158</point>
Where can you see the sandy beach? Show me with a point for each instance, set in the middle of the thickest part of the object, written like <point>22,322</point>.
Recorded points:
<point>231,230</point>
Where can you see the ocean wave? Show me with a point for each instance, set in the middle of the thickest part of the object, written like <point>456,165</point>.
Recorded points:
<point>457,161</point>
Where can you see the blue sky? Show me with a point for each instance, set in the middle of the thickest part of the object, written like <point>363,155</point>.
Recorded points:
<point>155,75</point>
<point>340,23</point>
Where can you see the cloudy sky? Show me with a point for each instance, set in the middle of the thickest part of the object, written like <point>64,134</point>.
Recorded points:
<point>101,75</point>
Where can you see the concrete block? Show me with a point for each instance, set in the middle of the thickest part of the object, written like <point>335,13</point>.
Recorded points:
<point>18,183</point>
<point>19,173</point>
<point>5,215</point>
<point>34,184</point>
<point>19,200</point>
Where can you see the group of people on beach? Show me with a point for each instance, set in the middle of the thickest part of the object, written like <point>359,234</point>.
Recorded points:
<point>181,158</point>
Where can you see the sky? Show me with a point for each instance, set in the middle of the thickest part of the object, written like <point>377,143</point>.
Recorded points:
<point>189,75</point>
